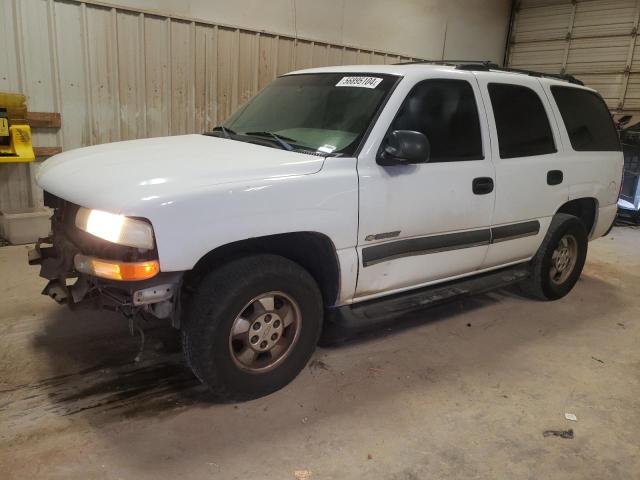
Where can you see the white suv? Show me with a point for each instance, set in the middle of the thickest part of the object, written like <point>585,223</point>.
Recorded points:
<point>335,199</point>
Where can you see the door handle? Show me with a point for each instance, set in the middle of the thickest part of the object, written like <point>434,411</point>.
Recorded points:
<point>554,177</point>
<point>482,185</point>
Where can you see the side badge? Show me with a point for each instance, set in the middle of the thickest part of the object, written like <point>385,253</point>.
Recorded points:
<point>382,236</point>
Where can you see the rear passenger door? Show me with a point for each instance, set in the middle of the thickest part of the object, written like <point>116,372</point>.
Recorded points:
<point>529,165</point>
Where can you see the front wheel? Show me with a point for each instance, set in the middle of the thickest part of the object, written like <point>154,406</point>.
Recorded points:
<point>557,266</point>
<point>252,325</point>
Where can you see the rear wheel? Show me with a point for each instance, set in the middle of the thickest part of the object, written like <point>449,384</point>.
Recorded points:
<point>252,325</point>
<point>557,266</point>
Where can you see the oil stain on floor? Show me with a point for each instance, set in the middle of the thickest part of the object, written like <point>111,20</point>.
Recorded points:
<point>114,389</point>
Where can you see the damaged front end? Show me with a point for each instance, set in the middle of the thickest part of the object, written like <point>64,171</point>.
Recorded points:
<point>75,263</point>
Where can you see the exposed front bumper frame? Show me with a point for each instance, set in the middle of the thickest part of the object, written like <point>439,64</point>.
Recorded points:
<point>159,296</point>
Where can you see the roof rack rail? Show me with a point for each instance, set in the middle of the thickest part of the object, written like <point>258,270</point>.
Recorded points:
<point>486,65</point>
<point>451,63</point>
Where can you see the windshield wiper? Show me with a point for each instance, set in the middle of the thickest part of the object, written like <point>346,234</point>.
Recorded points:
<point>227,132</point>
<point>282,140</point>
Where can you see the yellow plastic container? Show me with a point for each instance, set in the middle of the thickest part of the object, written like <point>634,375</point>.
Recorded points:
<point>21,149</point>
<point>16,105</point>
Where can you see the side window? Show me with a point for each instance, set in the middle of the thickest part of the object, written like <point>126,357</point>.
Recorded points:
<point>446,112</point>
<point>587,118</point>
<point>521,120</point>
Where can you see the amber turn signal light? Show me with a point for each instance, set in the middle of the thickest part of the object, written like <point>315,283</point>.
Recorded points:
<point>116,270</point>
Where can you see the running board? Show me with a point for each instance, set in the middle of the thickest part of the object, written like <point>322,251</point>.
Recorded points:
<point>346,321</point>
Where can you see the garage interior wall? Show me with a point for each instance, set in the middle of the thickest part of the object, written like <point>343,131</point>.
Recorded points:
<point>594,40</point>
<point>139,68</point>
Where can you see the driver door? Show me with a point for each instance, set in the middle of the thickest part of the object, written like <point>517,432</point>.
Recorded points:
<point>426,222</point>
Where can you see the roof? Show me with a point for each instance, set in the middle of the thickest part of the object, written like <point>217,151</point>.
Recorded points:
<point>418,68</point>
<point>397,69</point>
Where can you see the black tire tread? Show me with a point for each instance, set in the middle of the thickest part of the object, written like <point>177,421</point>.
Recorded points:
<point>206,310</point>
<point>534,287</point>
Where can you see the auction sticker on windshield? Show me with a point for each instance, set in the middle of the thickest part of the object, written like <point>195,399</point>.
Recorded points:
<point>363,82</point>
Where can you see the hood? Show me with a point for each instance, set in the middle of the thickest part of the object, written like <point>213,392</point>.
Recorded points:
<point>117,176</point>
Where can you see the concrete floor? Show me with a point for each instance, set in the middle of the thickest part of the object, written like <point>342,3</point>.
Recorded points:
<point>465,391</point>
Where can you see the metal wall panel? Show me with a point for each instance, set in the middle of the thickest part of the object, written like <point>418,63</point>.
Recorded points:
<point>415,28</point>
<point>14,184</point>
<point>118,74</point>
<point>540,21</point>
<point>543,56</point>
<point>604,18</point>
<point>632,99</point>
<point>595,40</point>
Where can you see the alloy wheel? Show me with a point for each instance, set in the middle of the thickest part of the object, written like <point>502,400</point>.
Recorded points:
<point>264,332</point>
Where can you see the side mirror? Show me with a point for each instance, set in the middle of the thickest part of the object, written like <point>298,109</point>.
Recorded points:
<point>405,147</point>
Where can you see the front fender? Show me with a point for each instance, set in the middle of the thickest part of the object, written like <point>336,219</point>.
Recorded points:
<point>193,223</point>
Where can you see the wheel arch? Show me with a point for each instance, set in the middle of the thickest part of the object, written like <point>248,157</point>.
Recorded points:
<point>585,208</point>
<point>313,251</point>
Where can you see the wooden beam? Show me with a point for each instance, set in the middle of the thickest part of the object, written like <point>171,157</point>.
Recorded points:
<point>46,151</point>
<point>44,120</point>
<point>40,120</point>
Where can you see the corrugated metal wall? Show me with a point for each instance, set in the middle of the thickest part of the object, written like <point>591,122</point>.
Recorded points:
<point>117,74</point>
<point>595,40</point>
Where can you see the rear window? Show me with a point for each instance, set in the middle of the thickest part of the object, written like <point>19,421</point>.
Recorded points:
<point>587,119</point>
<point>521,121</point>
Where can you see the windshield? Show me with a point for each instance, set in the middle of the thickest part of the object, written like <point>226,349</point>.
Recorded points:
<point>328,113</point>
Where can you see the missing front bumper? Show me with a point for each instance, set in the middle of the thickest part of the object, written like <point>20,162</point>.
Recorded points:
<point>158,296</point>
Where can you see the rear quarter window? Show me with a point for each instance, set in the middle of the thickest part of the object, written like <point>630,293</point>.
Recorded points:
<point>587,120</point>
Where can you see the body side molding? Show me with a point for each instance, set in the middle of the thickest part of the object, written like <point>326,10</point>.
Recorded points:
<point>445,242</point>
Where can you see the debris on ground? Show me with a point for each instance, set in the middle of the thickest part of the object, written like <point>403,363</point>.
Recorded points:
<point>558,433</point>
<point>305,420</point>
<point>316,364</point>
<point>374,371</point>
<point>571,416</point>
<point>302,474</point>
<point>369,457</point>
<point>598,360</point>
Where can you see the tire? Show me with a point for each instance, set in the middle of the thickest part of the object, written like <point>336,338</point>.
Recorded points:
<point>231,367</point>
<point>545,283</point>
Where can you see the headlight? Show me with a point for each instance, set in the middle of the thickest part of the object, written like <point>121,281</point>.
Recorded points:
<point>115,228</point>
